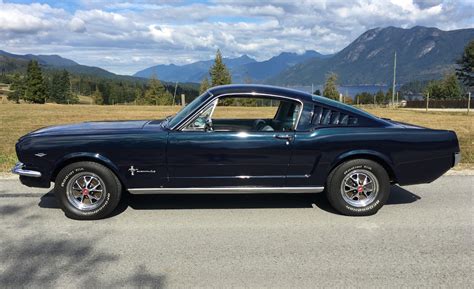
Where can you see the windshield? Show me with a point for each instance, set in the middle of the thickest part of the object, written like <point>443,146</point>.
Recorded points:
<point>187,109</point>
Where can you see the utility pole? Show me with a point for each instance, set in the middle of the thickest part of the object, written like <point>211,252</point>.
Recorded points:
<point>312,89</point>
<point>427,100</point>
<point>397,98</point>
<point>394,77</point>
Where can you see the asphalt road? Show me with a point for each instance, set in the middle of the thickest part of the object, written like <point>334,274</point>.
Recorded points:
<point>423,237</point>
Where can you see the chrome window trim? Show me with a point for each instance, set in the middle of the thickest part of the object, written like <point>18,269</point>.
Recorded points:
<point>186,121</point>
<point>226,190</point>
<point>192,114</point>
<point>190,120</point>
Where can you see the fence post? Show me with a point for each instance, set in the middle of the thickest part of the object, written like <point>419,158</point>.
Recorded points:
<point>468,102</point>
<point>427,100</point>
<point>183,99</point>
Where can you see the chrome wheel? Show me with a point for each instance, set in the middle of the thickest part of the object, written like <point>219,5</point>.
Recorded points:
<point>359,188</point>
<point>86,191</point>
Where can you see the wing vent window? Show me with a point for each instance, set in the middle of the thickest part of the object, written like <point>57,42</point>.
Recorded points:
<point>326,117</point>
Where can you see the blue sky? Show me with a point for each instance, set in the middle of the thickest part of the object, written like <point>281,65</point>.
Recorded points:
<point>126,36</point>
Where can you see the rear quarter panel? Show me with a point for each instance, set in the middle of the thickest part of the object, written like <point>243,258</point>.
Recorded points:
<point>411,155</point>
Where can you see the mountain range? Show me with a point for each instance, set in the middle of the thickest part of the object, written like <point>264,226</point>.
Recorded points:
<point>423,53</point>
<point>10,62</point>
<point>243,68</point>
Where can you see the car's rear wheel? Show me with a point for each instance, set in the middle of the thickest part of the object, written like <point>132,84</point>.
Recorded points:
<point>358,187</point>
<point>87,190</point>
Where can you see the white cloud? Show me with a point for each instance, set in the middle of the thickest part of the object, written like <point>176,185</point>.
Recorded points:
<point>77,25</point>
<point>127,36</point>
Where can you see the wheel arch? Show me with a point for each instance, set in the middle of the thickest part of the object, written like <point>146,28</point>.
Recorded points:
<point>85,157</point>
<point>375,156</point>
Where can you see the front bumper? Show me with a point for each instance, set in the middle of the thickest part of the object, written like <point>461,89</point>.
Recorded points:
<point>18,169</point>
<point>457,158</point>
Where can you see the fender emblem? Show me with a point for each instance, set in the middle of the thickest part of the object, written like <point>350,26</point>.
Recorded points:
<point>40,155</point>
<point>133,170</point>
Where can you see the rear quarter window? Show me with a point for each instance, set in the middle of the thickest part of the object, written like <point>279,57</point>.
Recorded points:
<point>327,116</point>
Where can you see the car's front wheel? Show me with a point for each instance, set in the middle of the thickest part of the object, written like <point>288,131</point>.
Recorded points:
<point>358,187</point>
<point>87,190</point>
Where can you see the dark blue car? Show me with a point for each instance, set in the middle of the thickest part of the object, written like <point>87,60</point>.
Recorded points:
<point>301,143</point>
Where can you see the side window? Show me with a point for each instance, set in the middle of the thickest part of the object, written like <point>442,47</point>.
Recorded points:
<point>246,114</point>
<point>323,116</point>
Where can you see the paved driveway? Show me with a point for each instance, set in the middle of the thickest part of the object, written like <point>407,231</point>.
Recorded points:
<point>422,237</point>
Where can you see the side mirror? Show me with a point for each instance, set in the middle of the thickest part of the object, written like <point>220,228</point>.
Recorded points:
<point>208,125</point>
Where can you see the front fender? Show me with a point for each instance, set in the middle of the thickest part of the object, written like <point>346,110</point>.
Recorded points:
<point>84,156</point>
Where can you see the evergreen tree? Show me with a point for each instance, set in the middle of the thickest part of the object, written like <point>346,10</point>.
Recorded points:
<point>139,99</point>
<point>60,89</point>
<point>317,92</point>
<point>97,96</point>
<point>434,89</point>
<point>18,88</point>
<point>365,98</point>
<point>380,97</point>
<point>54,89</point>
<point>219,73</point>
<point>451,87</point>
<point>466,70</point>
<point>204,85</point>
<point>330,87</point>
<point>156,94</point>
<point>65,83</point>
<point>447,88</point>
<point>35,86</point>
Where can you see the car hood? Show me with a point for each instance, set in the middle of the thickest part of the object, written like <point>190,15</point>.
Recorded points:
<point>91,127</point>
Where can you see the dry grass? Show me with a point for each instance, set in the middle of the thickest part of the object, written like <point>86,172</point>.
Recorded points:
<point>17,120</point>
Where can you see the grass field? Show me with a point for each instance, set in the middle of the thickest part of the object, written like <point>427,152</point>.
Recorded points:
<point>19,119</point>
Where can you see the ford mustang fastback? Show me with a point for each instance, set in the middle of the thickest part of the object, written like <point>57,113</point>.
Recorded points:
<point>296,143</point>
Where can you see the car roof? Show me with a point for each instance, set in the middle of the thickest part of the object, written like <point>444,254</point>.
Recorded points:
<point>259,88</point>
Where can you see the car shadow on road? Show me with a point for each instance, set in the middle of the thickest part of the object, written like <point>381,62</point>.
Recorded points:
<point>398,196</point>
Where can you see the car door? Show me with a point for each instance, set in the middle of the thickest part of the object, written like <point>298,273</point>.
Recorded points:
<point>214,158</point>
<point>205,158</point>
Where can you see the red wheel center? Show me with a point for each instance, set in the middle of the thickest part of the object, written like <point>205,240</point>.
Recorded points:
<point>360,189</point>
<point>85,192</point>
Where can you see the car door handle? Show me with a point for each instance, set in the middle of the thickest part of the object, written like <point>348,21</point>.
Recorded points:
<point>284,136</point>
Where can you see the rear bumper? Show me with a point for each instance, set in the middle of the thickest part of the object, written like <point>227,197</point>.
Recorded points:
<point>19,170</point>
<point>457,158</point>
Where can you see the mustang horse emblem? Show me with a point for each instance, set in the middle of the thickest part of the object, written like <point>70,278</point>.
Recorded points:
<point>133,170</point>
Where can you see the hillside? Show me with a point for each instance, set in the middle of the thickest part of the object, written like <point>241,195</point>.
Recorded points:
<point>193,72</point>
<point>10,62</point>
<point>422,53</point>
<point>242,68</point>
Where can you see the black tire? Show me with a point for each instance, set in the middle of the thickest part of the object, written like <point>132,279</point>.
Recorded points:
<point>353,203</point>
<point>107,200</point>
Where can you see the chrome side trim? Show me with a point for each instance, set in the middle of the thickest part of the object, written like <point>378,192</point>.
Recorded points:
<point>186,121</point>
<point>226,190</point>
<point>457,158</point>
<point>18,169</point>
